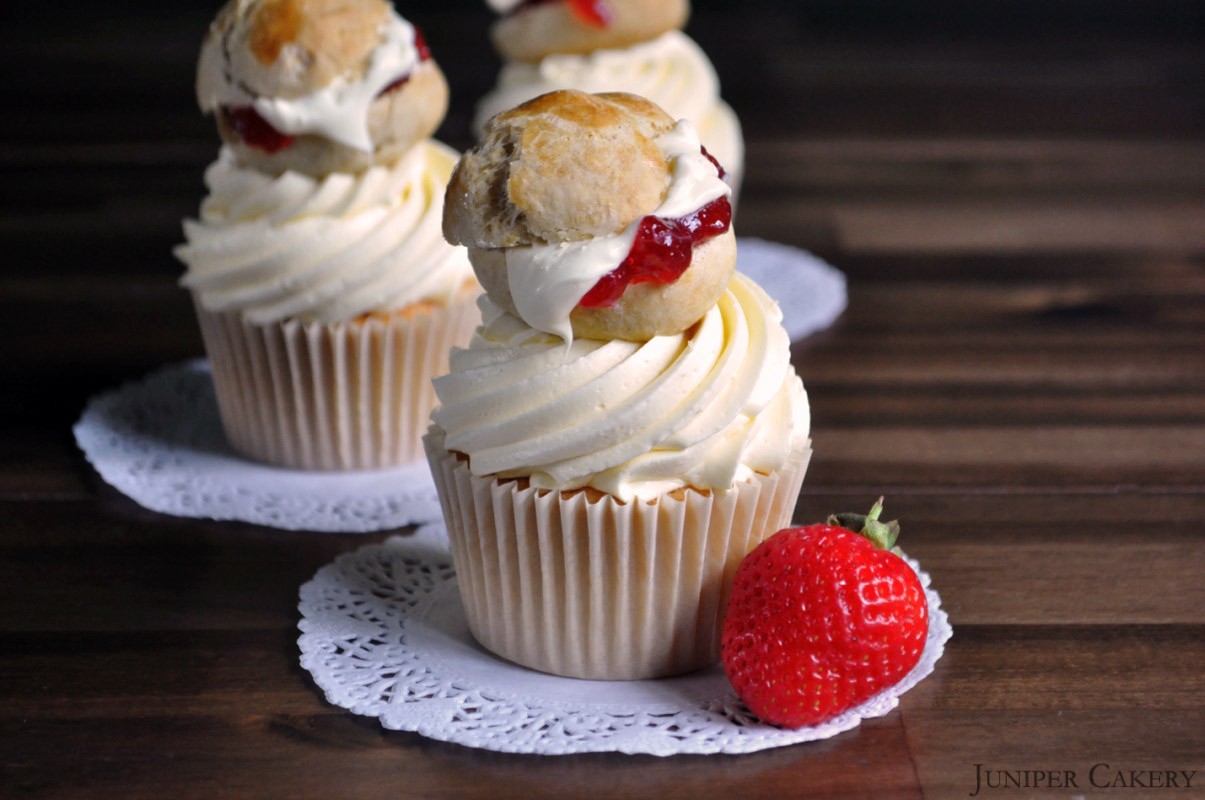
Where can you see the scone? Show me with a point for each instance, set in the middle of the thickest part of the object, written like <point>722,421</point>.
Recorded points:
<point>595,216</point>
<point>326,294</point>
<point>634,46</point>
<point>600,489</point>
<point>318,86</point>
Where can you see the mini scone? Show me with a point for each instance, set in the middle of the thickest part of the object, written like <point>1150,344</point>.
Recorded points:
<point>634,46</point>
<point>326,295</point>
<point>318,86</point>
<point>530,30</point>
<point>599,491</point>
<point>594,216</point>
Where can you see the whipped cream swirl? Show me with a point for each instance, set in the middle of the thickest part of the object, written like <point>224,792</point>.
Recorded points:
<point>339,110</point>
<point>323,249</point>
<point>670,70</point>
<point>548,281</point>
<point>704,408</point>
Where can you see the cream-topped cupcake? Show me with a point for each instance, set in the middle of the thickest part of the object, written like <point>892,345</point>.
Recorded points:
<point>634,46</point>
<point>602,478</point>
<point>326,294</point>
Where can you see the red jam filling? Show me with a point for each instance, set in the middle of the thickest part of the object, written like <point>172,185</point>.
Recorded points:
<point>424,53</point>
<point>592,12</point>
<point>661,252</point>
<point>258,133</point>
<point>255,131</point>
<point>718,167</point>
<point>595,13</point>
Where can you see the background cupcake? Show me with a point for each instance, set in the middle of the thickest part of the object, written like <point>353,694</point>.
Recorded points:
<point>326,295</point>
<point>634,46</point>
<point>600,479</point>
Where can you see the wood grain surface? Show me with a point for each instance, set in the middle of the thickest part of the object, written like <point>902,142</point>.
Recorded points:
<point>1016,193</point>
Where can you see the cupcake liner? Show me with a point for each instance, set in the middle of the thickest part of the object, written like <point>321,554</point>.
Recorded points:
<point>337,396</point>
<point>597,588</point>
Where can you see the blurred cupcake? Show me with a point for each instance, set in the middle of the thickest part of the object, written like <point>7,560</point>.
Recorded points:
<point>326,295</point>
<point>626,424</point>
<point>634,46</point>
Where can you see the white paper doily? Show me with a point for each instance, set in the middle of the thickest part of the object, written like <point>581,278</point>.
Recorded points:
<point>810,292</point>
<point>160,440</point>
<point>384,635</point>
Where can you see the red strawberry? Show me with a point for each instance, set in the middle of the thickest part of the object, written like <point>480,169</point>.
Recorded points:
<point>821,619</point>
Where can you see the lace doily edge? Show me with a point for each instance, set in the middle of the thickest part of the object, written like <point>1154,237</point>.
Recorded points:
<point>755,737</point>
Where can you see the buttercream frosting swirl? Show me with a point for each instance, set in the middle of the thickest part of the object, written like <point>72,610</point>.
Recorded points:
<point>670,70</point>
<point>704,408</point>
<point>323,249</point>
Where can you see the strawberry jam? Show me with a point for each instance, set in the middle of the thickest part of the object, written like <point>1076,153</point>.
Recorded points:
<point>595,13</point>
<point>592,12</point>
<point>257,132</point>
<point>661,252</point>
<point>420,44</point>
<point>719,169</point>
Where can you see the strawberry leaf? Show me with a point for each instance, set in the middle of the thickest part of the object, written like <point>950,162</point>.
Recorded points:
<point>882,534</point>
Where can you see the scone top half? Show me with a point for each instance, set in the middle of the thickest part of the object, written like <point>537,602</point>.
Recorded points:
<point>318,86</point>
<point>529,30</point>
<point>594,215</point>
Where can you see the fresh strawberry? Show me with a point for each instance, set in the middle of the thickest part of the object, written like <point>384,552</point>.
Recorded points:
<point>821,619</point>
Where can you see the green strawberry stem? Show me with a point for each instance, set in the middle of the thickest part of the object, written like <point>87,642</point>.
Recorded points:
<point>882,534</point>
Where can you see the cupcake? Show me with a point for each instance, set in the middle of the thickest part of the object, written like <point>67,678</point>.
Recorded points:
<point>625,424</point>
<point>634,46</point>
<point>326,294</point>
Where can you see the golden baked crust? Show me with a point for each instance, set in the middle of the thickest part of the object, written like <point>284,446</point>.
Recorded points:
<point>291,48</point>
<point>563,167</point>
<point>552,28</point>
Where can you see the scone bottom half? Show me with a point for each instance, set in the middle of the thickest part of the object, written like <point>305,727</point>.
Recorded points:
<point>530,30</point>
<point>602,188</point>
<point>318,86</point>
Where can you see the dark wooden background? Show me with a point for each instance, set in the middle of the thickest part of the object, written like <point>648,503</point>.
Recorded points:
<point>1016,191</point>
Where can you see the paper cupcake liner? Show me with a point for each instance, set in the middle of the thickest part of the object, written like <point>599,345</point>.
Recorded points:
<point>340,396</point>
<point>602,589</point>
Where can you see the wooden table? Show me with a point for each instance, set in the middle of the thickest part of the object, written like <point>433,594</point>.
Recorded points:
<point>1016,195</point>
